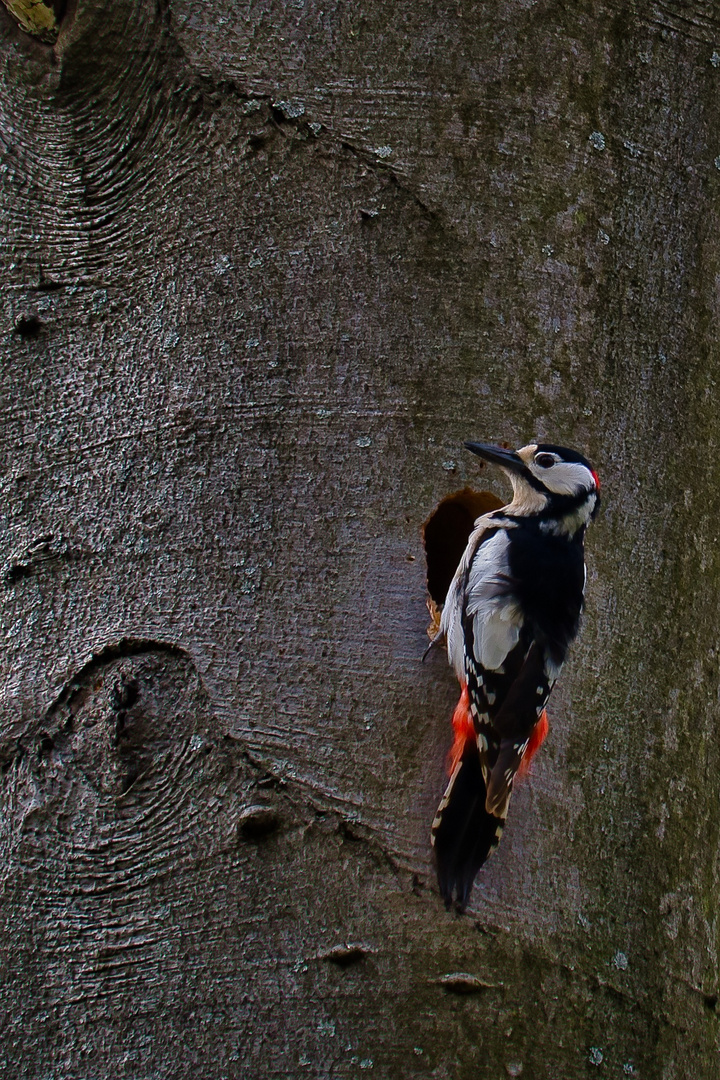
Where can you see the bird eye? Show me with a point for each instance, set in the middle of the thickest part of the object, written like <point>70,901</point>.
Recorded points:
<point>544,460</point>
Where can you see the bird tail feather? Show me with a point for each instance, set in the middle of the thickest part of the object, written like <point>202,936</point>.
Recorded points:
<point>463,833</point>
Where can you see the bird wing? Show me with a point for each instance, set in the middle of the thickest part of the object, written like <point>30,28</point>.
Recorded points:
<point>514,722</point>
<point>505,668</point>
<point>495,613</point>
<point>451,623</point>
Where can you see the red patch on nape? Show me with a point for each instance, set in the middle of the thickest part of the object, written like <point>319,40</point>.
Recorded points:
<point>537,738</point>
<point>596,478</point>
<point>463,727</point>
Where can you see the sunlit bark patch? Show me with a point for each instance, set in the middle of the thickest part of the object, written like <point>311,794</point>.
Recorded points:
<point>40,18</point>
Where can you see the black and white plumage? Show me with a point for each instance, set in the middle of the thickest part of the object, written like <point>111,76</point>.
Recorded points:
<point>509,616</point>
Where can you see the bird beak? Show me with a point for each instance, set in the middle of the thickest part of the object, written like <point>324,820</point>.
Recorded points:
<point>507,459</point>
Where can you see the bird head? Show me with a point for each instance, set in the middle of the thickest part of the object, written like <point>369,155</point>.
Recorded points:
<point>551,482</point>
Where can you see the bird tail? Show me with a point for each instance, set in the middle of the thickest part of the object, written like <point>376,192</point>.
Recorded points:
<point>463,833</point>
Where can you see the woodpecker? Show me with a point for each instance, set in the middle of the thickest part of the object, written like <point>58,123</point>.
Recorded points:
<point>511,611</point>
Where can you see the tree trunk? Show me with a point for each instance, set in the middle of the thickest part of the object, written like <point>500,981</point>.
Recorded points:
<point>265,267</point>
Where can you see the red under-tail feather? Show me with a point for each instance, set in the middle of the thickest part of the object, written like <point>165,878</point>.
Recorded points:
<point>537,738</point>
<point>463,727</point>
<point>465,730</point>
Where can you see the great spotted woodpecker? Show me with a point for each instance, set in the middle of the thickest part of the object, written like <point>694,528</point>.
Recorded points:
<point>510,614</point>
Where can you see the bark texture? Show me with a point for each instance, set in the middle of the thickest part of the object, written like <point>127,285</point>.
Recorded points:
<point>265,267</point>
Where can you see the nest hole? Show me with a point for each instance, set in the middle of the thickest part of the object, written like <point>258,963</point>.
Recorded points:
<point>28,326</point>
<point>258,822</point>
<point>445,536</point>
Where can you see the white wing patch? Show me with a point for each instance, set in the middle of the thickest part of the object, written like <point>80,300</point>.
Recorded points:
<point>497,619</point>
<point>452,614</point>
<point>451,626</point>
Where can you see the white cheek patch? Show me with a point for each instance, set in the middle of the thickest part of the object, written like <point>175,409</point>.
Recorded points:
<point>565,478</point>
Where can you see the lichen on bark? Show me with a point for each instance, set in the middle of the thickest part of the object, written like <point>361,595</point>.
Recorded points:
<point>35,17</point>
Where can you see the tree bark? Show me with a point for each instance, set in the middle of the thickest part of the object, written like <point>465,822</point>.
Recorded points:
<point>265,267</point>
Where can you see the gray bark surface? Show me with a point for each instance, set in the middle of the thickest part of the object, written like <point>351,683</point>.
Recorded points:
<point>265,267</point>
